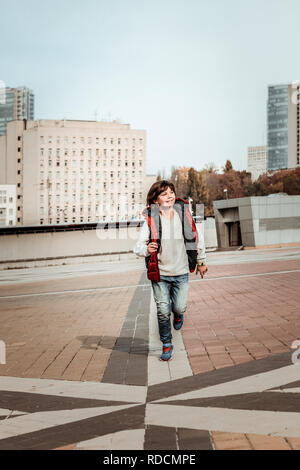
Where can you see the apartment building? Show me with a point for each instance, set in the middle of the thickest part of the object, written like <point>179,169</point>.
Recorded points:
<point>15,103</point>
<point>74,171</point>
<point>257,161</point>
<point>283,123</point>
<point>7,205</point>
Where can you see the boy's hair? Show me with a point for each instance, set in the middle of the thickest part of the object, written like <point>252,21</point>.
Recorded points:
<point>156,189</point>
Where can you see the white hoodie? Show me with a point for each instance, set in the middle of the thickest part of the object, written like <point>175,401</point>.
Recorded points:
<point>172,257</point>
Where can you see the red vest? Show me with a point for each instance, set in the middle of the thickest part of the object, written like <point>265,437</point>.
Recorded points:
<point>189,232</point>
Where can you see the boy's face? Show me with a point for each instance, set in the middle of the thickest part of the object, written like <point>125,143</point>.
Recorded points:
<point>166,198</point>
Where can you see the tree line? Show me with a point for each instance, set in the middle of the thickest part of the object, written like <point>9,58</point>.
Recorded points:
<point>207,185</point>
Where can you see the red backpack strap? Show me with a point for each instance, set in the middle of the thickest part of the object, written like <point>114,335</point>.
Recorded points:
<point>152,265</point>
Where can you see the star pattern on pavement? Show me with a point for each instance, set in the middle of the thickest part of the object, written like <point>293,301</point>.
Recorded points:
<point>262,397</point>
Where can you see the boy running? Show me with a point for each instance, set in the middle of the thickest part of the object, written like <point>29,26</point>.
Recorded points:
<point>172,247</point>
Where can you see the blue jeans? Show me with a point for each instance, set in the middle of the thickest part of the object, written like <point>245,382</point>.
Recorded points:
<point>170,295</point>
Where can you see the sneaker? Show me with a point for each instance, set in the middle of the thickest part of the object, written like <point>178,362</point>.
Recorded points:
<point>178,322</point>
<point>167,352</point>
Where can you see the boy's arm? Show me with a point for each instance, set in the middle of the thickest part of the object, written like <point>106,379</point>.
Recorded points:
<point>201,255</point>
<point>141,246</point>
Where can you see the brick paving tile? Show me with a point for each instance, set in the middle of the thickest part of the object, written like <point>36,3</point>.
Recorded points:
<point>76,335</point>
<point>260,442</point>
<point>65,336</point>
<point>247,316</point>
<point>240,441</point>
<point>100,280</point>
<point>230,441</point>
<point>68,447</point>
<point>294,442</point>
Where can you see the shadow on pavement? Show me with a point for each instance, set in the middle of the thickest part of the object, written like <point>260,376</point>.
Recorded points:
<point>123,344</point>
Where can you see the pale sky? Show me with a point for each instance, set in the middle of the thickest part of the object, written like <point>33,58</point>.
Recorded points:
<point>192,73</point>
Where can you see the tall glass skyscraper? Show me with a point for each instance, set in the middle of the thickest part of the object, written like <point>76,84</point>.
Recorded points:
<point>278,121</point>
<point>15,103</point>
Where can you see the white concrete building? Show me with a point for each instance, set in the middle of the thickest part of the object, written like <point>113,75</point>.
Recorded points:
<point>74,171</point>
<point>257,161</point>
<point>7,205</point>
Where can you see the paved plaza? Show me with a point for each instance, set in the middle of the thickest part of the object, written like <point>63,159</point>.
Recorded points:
<point>82,350</point>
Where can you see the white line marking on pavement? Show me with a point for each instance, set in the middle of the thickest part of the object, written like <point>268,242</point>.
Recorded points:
<point>64,388</point>
<point>93,289</point>
<point>122,440</point>
<point>272,423</point>
<point>250,384</point>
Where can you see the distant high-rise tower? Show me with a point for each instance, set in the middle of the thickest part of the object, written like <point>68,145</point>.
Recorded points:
<point>257,161</point>
<point>283,126</point>
<point>15,104</point>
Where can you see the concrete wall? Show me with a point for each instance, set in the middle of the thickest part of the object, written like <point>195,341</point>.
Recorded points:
<point>210,234</point>
<point>276,219</point>
<point>268,220</point>
<point>84,245</point>
<point>66,244</point>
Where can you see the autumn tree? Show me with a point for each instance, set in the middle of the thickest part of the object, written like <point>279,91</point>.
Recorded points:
<point>206,185</point>
<point>196,190</point>
<point>179,177</point>
<point>228,166</point>
<point>287,181</point>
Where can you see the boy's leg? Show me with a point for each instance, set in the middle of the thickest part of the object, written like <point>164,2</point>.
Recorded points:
<point>178,295</point>
<point>161,293</point>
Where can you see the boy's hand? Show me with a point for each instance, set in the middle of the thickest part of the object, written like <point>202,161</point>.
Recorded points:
<point>202,270</point>
<point>152,247</point>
